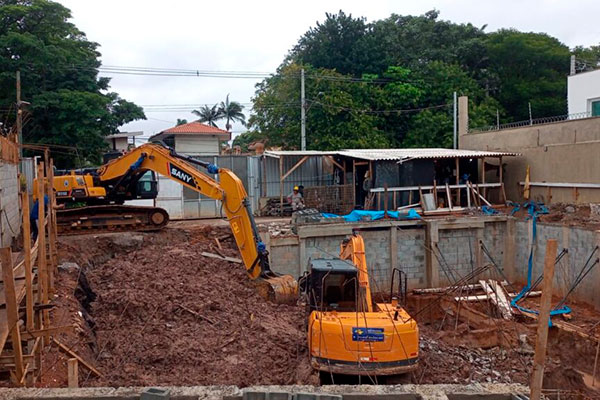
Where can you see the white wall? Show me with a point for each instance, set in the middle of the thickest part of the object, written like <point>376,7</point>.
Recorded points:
<point>197,145</point>
<point>582,88</point>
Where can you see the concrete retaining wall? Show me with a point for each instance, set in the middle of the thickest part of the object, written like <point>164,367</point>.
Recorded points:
<point>580,244</point>
<point>10,219</point>
<point>406,244</point>
<point>564,152</point>
<point>395,244</point>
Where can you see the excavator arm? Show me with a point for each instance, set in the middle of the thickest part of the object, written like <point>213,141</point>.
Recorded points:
<point>228,189</point>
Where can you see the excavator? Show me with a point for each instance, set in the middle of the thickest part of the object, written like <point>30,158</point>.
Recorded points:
<point>119,179</point>
<point>348,333</point>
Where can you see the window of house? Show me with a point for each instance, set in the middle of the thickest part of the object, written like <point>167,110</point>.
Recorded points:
<point>596,108</point>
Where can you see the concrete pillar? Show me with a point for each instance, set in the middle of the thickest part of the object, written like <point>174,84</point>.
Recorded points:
<point>479,252</point>
<point>393,249</point>
<point>509,259</point>
<point>463,117</point>
<point>302,256</point>
<point>432,265</point>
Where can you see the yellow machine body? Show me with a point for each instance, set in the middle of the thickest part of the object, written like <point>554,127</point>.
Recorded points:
<point>352,335</point>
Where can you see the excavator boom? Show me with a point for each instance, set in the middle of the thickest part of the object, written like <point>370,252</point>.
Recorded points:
<point>227,188</point>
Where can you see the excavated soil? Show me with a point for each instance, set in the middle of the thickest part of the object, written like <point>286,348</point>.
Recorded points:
<point>149,309</point>
<point>157,312</point>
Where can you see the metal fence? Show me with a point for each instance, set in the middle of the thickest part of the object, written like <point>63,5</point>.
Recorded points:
<point>531,122</point>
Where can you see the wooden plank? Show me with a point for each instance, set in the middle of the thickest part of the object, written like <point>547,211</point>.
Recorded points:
<point>483,297</point>
<point>212,255</point>
<point>70,352</point>
<point>298,164</point>
<point>458,181</point>
<point>567,185</point>
<point>72,373</point>
<point>27,261</point>
<point>539,359</point>
<point>50,227</point>
<point>503,303</point>
<point>494,298</point>
<point>34,334</point>
<point>12,311</point>
<point>41,260</point>
<point>449,197</point>
<point>433,187</point>
<point>481,197</point>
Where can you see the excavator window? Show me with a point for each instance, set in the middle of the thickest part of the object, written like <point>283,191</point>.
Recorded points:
<point>331,285</point>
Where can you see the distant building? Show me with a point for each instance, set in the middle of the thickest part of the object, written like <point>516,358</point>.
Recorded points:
<point>193,139</point>
<point>122,141</point>
<point>584,93</point>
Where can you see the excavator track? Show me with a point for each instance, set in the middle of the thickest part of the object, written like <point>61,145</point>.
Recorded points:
<point>110,218</point>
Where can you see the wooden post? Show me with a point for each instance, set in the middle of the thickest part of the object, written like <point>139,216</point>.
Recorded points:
<point>458,182</point>
<point>50,227</point>
<point>281,184</point>
<point>41,258</point>
<point>27,262</point>
<point>483,176</point>
<point>354,184</point>
<point>73,373</point>
<point>501,178</point>
<point>54,218</point>
<point>539,359</point>
<point>385,201</point>
<point>12,312</point>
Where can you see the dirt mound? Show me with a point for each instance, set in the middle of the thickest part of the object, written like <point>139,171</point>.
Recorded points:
<point>165,315</point>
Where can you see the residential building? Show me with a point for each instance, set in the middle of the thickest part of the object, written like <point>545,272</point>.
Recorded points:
<point>193,139</point>
<point>583,93</point>
<point>122,141</point>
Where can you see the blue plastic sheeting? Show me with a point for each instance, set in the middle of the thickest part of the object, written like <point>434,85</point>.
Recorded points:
<point>489,210</point>
<point>359,215</point>
<point>534,209</point>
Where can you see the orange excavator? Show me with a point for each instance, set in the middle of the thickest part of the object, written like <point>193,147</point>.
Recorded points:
<point>109,185</point>
<point>348,333</point>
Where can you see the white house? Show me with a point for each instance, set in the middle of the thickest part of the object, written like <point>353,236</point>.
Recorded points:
<point>122,140</point>
<point>197,140</point>
<point>193,139</point>
<point>584,93</point>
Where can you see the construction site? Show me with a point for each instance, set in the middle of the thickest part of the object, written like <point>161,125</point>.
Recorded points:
<point>398,248</point>
<point>443,286</point>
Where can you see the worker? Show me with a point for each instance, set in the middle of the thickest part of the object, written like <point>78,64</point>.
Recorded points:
<point>34,215</point>
<point>295,199</point>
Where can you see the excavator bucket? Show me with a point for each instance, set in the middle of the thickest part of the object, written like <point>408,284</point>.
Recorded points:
<point>281,289</point>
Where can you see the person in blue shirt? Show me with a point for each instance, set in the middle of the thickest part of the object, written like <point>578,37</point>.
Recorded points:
<point>34,214</point>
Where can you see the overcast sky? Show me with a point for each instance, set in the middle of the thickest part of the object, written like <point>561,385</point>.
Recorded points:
<point>256,35</point>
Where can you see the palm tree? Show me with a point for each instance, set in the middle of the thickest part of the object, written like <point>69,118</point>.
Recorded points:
<point>232,112</point>
<point>209,114</point>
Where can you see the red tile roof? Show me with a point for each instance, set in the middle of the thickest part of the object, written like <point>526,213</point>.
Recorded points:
<point>196,127</point>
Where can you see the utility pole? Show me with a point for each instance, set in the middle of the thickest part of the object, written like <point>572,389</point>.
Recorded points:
<point>455,123</point>
<point>572,72</point>
<point>302,112</point>
<point>497,119</point>
<point>19,115</point>
<point>530,118</point>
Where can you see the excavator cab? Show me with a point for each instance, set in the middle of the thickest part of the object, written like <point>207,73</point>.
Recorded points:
<point>331,284</point>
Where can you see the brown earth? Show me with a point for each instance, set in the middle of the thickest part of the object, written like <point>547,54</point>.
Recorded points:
<point>567,214</point>
<point>150,310</point>
<point>162,314</point>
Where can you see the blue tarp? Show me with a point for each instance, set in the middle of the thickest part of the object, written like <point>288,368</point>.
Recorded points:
<point>359,215</point>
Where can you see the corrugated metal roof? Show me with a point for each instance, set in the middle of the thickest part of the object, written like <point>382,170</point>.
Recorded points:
<point>394,154</point>
<point>412,154</point>
<point>277,153</point>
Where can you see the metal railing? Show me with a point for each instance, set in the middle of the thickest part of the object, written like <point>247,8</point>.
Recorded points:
<point>531,122</point>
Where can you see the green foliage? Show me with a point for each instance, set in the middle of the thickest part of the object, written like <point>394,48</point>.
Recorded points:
<point>208,115</point>
<point>59,77</point>
<point>391,82</point>
<point>181,121</point>
<point>245,138</point>
<point>529,67</point>
<point>232,111</point>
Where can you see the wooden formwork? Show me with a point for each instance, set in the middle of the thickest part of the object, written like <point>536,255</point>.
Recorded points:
<point>26,287</point>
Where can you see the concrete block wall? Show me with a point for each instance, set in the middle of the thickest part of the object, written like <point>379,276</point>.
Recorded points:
<point>10,218</point>
<point>390,246</point>
<point>580,244</point>
<point>411,256</point>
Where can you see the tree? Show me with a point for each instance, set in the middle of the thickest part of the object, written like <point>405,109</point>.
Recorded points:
<point>232,111</point>
<point>529,68</point>
<point>209,115</point>
<point>70,104</point>
<point>181,121</point>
